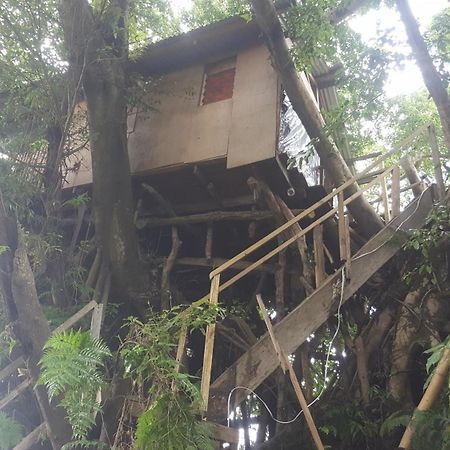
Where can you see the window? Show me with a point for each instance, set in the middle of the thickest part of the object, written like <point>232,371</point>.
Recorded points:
<point>219,81</point>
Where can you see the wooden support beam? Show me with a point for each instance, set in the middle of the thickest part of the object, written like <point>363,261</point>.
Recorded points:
<point>11,368</point>
<point>214,216</point>
<point>319,255</point>
<point>395,191</point>
<point>287,366</point>
<point>412,175</point>
<point>14,393</point>
<point>254,366</point>
<point>33,438</point>
<point>209,345</point>
<point>216,262</point>
<point>224,434</point>
<point>209,241</point>
<point>384,196</point>
<point>97,320</point>
<point>69,323</point>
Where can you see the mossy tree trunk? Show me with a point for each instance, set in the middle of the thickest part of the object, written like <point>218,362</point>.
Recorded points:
<point>98,51</point>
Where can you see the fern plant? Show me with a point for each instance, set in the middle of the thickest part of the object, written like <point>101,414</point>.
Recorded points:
<point>11,432</point>
<point>72,368</point>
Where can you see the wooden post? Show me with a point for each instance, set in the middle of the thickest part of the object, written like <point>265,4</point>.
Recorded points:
<point>209,241</point>
<point>438,381</point>
<point>97,320</point>
<point>348,249</point>
<point>384,196</point>
<point>286,365</point>
<point>395,191</point>
<point>436,157</point>
<point>319,255</point>
<point>209,345</point>
<point>180,351</point>
<point>412,175</point>
<point>341,227</point>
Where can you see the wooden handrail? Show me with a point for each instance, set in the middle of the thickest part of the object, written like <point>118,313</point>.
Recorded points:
<point>374,165</point>
<point>289,241</point>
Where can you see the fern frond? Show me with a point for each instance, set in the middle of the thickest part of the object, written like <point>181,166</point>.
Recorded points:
<point>72,368</point>
<point>11,432</point>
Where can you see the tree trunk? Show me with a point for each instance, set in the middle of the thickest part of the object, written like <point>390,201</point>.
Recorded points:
<point>30,325</point>
<point>430,75</point>
<point>104,83</point>
<point>309,114</point>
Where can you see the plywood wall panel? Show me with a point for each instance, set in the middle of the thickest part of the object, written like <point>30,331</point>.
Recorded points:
<point>253,134</point>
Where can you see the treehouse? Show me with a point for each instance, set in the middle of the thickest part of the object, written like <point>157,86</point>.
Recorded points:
<point>215,111</point>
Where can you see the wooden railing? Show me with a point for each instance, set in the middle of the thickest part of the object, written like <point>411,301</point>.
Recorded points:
<point>375,174</point>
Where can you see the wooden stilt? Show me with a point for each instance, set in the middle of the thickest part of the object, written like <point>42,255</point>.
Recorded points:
<point>287,366</point>
<point>319,255</point>
<point>209,345</point>
<point>395,191</point>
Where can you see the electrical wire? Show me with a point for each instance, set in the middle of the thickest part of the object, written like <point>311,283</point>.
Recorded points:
<point>327,361</point>
<point>330,346</point>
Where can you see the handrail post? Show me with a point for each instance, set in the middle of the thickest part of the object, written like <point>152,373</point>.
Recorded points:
<point>344,235</point>
<point>209,345</point>
<point>395,191</point>
<point>319,259</point>
<point>436,157</point>
<point>384,196</point>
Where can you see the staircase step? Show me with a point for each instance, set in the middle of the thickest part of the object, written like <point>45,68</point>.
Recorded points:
<point>255,365</point>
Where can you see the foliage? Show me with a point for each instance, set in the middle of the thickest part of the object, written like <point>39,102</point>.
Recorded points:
<point>426,243</point>
<point>11,432</point>
<point>148,355</point>
<point>438,40</point>
<point>169,424</point>
<point>394,421</point>
<point>432,429</point>
<point>204,12</point>
<point>72,368</point>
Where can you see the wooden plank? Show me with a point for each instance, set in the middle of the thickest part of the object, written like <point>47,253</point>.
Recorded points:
<point>33,438</point>
<point>384,196</point>
<point>180,352</point>
<point>214,216</point>
<point>286,365</point>
<point>348,249</point>
<point>69,323</point>
<point>97,320</point>
<point>15,393</point>
<point>341,226</point>
<point>395,191</point>
<point>319,255</point>
<point>209,346</point>
<point>224,434</point>
<point>11,368</point>
<point>254,366</point>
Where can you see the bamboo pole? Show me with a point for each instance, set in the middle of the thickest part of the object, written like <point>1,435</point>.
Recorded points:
<point>209,345</point>
<point>430,396</point>
<point>287,366</point>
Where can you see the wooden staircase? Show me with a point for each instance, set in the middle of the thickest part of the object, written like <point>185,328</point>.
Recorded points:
<point>254,366</point>
<point>261,360</point>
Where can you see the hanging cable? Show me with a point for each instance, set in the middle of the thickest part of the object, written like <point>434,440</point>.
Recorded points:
<point>327,361</point>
